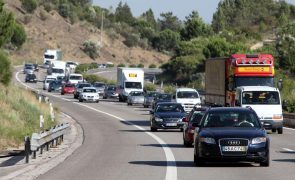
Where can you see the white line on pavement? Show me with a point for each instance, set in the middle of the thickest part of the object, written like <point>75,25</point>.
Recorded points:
<point>171,170</point>
<point>289,150</point>
<point>289,128</point>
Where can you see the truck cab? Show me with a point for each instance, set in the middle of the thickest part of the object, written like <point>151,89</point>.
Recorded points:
<point>188,98</point>
<point>266,101</point>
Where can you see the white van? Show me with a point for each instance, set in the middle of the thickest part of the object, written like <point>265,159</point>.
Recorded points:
<point>188,98</point>
<point>266,102</point>
<point>75,78</point>
<point>47,80</point>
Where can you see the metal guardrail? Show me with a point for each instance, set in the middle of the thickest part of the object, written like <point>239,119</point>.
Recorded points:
<point>39,141</point>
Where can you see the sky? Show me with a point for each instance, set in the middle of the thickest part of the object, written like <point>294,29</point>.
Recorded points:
<point>180,8</point>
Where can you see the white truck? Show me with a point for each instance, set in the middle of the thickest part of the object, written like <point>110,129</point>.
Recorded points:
<point>52,55</point>
<point>266,101</point>
<point>129,79</point>
<point>188,98</point>
<point>57,68</point>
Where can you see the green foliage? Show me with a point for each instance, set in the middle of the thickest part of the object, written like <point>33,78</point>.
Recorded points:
<point>81,68</point>
<point>19,35</point>
<point>169,21</point>
<point>121,65</point>
<point>149,17</point>
<point>5,69</point>
<point>132,66</point>
<point>92,78</point>
<point>152,66</point>
<point>140,65</point>
<point>149,87</point>
<point>29,5</point>
<point>132,40</point>
<point>170,89</point>
<point>195,27</point>
<point>123,14</point>
<point>6,25</point>
<point>64,10</point>
<point>91,49</point>
<point>167,40</point>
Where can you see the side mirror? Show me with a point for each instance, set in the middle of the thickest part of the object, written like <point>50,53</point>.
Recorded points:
<point>151,112</point>
<point>184,119</point>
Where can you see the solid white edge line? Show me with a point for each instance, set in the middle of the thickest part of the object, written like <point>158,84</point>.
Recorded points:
<point>171,167</point>
<point>289,150</point>
<point>292,129</point>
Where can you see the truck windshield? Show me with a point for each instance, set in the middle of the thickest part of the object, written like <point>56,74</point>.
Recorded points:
<point>133,85</point>
<point>260,97</point>
<point>254,81</point>
<point>60,71</point>
<point>76,78</point>
<point>187,94</point>
<point>47,56</point>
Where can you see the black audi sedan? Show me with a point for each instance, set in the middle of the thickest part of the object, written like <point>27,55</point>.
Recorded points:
<point>231,134</point>
<point>167,115</point>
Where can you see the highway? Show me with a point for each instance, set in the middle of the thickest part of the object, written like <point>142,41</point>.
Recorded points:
<point>118,145</point>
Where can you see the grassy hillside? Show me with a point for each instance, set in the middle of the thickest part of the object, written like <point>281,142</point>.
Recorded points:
<point>19,115</point>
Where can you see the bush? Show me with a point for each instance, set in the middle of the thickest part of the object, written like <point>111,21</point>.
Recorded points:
<point>152,66</point>
<point>131,40</point>
<point>91,49</point>
<point>5,69</point>
<point>149,87</point>
<point>48,6</point>
<point>64,10</point>
<point>43,14</point>
<point>81,68</point>
<point>19,35</point>
<point>140,65</point>
<point>170,89</point>
<point>91,78</point>
<point>29,5</point>
<point>121,65</point>
<point>132,66</point>
<point>27,18</point>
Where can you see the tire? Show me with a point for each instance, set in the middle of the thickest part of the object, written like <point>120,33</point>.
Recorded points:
<point>153,129</point>
<point>80,100</point>
<point>144,106</point>
<point>181,129</point>
<point>280,130</point>
<point>62,93</point>
<point>120,99</point>
<point>97,101</point>
<point>75,96</point>
<point>131,104</point>
<point>198,161</point>
<point>187,144</point>
<point>273,130</point>
<point>266,162</point>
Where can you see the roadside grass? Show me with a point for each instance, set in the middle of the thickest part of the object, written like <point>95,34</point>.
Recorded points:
<point>19,116</point>
<point>288,90</point>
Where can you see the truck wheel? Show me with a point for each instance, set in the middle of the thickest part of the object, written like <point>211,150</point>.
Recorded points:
<point>280,130</point>
<point>80,100</point>
<point>273,130</point>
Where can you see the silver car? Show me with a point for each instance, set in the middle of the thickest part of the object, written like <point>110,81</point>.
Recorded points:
<point>29,69</point>
<point>100,86</point>
<point>149,98</point>
<point>135,97</point>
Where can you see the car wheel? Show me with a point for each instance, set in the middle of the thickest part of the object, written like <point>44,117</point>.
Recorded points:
<point>266,162</point>
<point>273,130</point>
<point>75,97</point>
<point>181,129</point>
<point>62,93</point>
<point>80,100</point>
<point>280,130</point>
<point>97,101</point>
<point>198,161</point>
<point>153,129</point>
<point>131,104</point>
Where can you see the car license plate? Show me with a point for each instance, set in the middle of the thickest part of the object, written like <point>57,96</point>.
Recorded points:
<point>234,148</point>
<point>171,124</point>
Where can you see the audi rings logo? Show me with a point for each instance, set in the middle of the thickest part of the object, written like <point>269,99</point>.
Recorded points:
<point>234,142</point>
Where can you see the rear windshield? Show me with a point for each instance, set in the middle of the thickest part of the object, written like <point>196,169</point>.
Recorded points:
<point>83,85</point>
<point>187,94</point>
<point>110,88</point>
<point>260,97</point>
<point>49,56</point>
<point>136,93</point>
<point>89,90</point>
<point>70,85</point>
<point>57,70</point>
<point>76,78</point>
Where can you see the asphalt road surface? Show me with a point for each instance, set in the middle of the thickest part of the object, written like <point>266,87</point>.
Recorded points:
<point>119,145</point>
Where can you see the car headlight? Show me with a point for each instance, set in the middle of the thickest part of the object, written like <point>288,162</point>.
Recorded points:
<point>208,140</point>
<point>158,119</point>
<point>258,140</point>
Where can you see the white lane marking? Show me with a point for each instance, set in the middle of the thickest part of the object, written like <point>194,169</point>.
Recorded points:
<point>171,168</point>
<point>101,72</point>
<point>289,150</point>
<point>292,129</point>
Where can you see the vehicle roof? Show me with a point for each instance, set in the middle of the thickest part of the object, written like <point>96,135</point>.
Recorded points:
<point>167,103</point>
<point>185,89</point>
<point>75,74</point>
<point>49,76</point>
<point>258,88</point>
<point>227,109</point>
<point>89,88</point>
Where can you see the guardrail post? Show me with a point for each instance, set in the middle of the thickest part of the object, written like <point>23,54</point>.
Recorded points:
<point>27,148</point>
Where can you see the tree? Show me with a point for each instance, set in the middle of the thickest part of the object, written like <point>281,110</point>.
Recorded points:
<point>6,25</point>
<point>167,40</point>
<point>81,2</point>
<point>29,5</point>
<point>195,27</point>
<point>123,14</point>
<point>149,17</point>
<point>19,35</point>
<point>169,21</point>
<point>5,70</point>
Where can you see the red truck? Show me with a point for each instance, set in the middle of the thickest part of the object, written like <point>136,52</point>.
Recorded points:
<point>224,75</point>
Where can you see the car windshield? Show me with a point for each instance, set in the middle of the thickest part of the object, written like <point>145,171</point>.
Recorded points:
<point>136,93</point>
<point>165,96</point>
<point>197,116</point>
<point>49,56</point>
<point>89,90</point>
<point>111,88</point>
<point>231,119</point>
<point>70,85</point>
<point>76,78</point>
<point>99,85</point>
<point>169,108</point>
<point>30,67</point>
<point>260,97</point>
<point>49,80</point>
<point>133,85</point>
<point>83,85</point>
<point>31,75</point>
<point>187,94</point>
<point>254,81</point>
